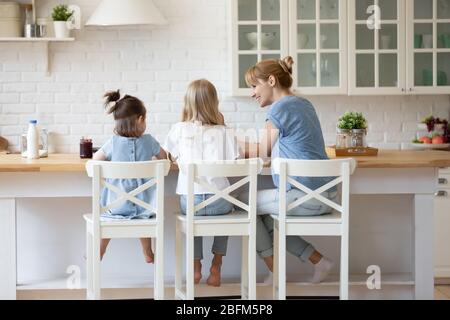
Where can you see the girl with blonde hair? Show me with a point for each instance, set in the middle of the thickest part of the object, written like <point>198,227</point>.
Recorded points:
<point>201,135</point>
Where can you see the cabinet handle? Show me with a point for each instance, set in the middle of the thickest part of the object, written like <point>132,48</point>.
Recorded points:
<point>410,89</point>
<point>443,181</point>
<point>403,89</point>
<point>441,194</point>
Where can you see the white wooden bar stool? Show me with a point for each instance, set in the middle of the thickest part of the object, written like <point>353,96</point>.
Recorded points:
<point>238,223</point>
<point>96,230</point>
<point>334,224</point>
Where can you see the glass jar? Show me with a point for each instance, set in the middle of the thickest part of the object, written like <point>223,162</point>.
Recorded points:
<point>85,148</point>
<point>358,138</point>
<point>343,138</point>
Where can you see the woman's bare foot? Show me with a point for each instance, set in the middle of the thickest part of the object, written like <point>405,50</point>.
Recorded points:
<point>214,272</point>
<point>197,271</point>
<point>147,249</point>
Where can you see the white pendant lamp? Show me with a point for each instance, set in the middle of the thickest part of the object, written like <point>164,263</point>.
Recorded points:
<point>129,12</point>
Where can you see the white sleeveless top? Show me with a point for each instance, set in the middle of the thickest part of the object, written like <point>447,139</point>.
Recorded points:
<point>188,142</point>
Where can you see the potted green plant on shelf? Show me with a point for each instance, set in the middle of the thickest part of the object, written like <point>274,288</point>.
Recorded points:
<point>351,130</point>
<point>61,14</point>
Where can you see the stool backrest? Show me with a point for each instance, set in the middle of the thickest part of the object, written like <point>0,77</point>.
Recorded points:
<point>341,169</point>
<point>250,168</point>
<point>100,171</point>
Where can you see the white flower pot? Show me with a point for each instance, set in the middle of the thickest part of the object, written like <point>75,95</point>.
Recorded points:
<point>61,30</point>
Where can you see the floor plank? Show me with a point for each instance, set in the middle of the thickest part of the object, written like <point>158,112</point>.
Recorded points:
<point>444,290</point>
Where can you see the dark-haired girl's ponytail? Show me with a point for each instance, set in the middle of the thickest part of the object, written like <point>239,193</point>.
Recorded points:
<point>111,97</point>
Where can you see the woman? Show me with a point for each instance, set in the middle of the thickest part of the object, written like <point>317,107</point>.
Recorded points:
<point>293,132</point>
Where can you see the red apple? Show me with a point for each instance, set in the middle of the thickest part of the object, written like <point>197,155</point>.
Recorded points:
<point>438,140</point>
<point>425,139</point>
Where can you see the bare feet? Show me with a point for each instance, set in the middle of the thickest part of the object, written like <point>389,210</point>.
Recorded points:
<point>149,256</point>
<point>214,272</point>
<point>147,249</point>
<point>214,276</point>
<point>197,271</point>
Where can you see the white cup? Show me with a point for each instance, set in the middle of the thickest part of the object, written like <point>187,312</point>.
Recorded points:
<point>428,41</point>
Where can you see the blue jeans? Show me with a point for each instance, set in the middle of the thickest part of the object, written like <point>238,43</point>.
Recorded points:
<point>267,204</point>
<point>218,207</point>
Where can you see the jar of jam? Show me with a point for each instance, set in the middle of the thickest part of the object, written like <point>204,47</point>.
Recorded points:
<point>85,148</point>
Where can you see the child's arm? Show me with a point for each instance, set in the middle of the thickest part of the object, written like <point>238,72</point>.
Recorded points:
<point>162,155</point>
<point>99,156</point>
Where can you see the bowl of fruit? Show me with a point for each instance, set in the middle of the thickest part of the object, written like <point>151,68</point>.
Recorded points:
<point>437,134</point>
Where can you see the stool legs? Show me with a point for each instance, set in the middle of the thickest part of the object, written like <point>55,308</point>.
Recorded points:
<point>244,269</point>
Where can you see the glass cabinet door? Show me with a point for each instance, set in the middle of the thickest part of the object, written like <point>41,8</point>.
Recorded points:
<point>377,50</point>
<point>429,43</point>
<point>318,45</point>
<point>259,32</point>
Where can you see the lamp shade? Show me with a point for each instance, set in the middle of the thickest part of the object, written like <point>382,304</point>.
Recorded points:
<point>129,12</point>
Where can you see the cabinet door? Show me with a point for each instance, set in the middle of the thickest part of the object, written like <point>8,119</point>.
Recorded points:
<point>377,47</point>
<point>442,234</point>
<point>318,44</point>
<point>259,32</point>
<point>428,44</point>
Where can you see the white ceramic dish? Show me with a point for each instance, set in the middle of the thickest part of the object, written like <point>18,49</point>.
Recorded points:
<point>429,146</point>
<point>266,39</point>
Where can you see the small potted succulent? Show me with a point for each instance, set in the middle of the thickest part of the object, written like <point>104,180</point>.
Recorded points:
<point>61,14</point>
<point>351,130</point>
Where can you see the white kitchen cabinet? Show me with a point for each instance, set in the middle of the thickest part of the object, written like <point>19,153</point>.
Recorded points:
<point>399,47</point>
<point>313,32</point>
<point>259,31</point>
<point>428,46</point>
<point>318,43</point>
<point>442,226</point>
<point>377,47</point>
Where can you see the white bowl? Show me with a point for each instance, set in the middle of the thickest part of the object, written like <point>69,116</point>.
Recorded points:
<point>266,39</point>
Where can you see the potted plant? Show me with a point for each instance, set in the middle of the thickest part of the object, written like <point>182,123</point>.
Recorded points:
<point>61,14</point>
<point>352,130</point>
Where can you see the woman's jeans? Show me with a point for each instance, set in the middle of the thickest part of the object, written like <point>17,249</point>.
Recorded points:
<point>267,204</point>
<point>218,207</point>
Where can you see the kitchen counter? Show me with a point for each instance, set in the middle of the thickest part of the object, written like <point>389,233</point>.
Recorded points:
<point>397,187</point>
<point>385,159</point>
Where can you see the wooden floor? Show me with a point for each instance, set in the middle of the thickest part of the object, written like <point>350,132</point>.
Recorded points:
<point>442,292</point>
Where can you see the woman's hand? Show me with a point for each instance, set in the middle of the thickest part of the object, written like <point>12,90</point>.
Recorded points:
<point>261,149</point>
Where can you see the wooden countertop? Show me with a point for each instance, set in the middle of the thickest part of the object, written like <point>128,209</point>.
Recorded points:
<point>385,159</point>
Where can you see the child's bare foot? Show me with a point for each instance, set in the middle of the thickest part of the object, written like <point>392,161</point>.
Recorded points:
<point>197,271</point>
<point>147,249</point>
<point>103,245</point>
<point>149,256</point>
<point>214,275</point>
<point>214,272</point>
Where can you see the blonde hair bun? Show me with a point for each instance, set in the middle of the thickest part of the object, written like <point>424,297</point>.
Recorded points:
<point>287,63</point>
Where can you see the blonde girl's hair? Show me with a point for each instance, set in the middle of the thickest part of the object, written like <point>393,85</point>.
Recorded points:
<point>126,112</point>
<point>280,69</point>
<point>201,104</point>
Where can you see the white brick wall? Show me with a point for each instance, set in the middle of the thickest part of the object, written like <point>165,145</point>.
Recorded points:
<point>156,64</point>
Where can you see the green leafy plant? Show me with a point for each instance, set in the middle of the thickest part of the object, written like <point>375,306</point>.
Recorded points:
<point>61,13</point>
<point>352,120</point>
